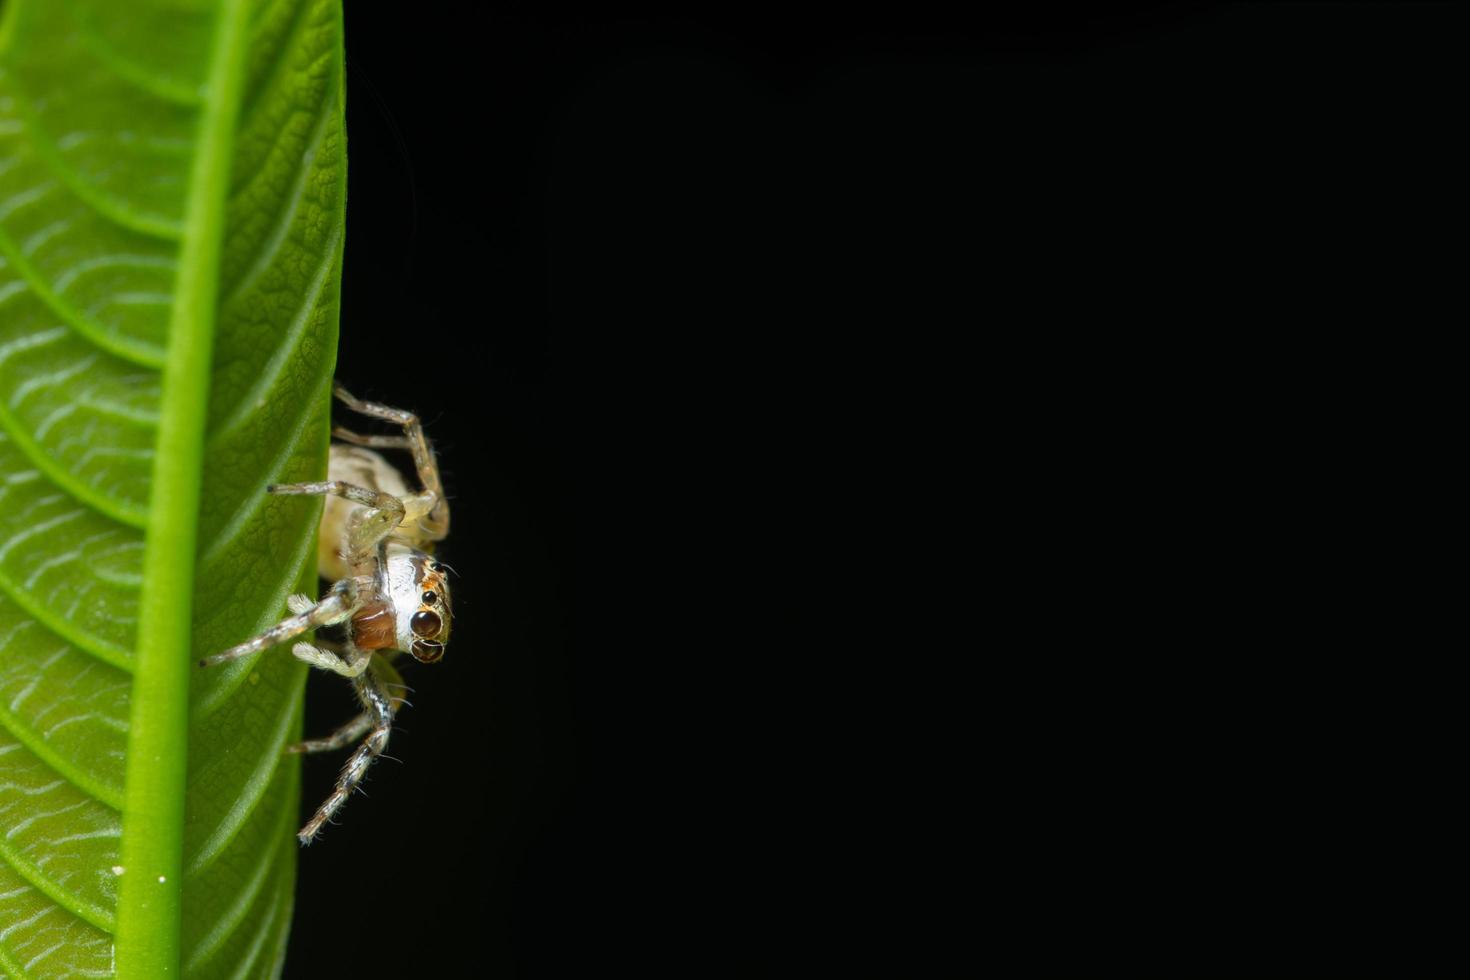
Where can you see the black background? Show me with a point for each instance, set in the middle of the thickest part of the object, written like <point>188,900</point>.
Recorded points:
<point>868,430</point>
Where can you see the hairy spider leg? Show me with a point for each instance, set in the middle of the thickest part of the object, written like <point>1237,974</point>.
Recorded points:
<point>384,513</point>
<point>371,442</point>
<point>375,698</point>
<point>340,739</point>
<point>348,666</point>
<point>345,659</point>
<point>357,727</point>
<point>435,521</point>
<point>387,673</point>
<point>340,602</point>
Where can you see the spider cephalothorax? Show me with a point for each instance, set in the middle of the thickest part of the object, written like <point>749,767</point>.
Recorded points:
<point>374,542</point>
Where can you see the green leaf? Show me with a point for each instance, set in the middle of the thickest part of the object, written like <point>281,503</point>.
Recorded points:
<point>172,186</point>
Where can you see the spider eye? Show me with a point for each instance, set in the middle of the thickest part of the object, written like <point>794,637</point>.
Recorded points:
<point>427,651</point>
<point>425,624</point>
<point>429,598</point>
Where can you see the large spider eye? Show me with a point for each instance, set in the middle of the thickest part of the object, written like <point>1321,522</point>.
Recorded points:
<point>425,624</point>
<point>427,651</point>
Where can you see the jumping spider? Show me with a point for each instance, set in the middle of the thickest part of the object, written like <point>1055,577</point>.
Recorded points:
<point>389,594</point>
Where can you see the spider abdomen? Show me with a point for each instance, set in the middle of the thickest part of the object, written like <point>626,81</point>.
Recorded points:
<point>361,467</point>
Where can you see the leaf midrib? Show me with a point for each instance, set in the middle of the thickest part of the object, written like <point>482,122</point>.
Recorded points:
<point>149,897</point>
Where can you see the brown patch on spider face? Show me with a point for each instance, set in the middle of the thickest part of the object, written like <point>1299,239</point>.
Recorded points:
<point>373,627</point>
<point>427,572</point>
<point>431,579</point>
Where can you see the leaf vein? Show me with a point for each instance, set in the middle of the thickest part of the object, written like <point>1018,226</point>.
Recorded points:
<point>104,650</point>
<point>119,213</point>
<point>120,511</point>
<point>272,924</point>
<point>240,669</point>
<point>278,58</point>
<point>156,85</point>
<point>127,348</point>
<point>285,351</point>
<point>12,969</point>
<point>254,789</point>
<point>230,920</point>
<point>64,767</point>
<point>271,247</point>
<point>94,915</point>
<point>231,529</point>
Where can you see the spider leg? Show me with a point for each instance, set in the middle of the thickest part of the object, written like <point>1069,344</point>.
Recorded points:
<point>354,663</point>
<point>340,739</point>
<point>372,442</point>
<point>435,522</point>
<point>384,511</point>
<point>357,727</point>
<point>379,705</point>
<point>340,602</point>
<point>392,680</point>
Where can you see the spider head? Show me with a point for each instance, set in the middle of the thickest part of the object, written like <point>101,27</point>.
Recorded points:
<point>421,601</point>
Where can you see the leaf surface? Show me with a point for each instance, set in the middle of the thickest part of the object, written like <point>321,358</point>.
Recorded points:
<point>172,184</point>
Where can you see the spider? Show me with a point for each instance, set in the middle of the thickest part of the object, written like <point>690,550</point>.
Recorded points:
<point>374,543</point>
